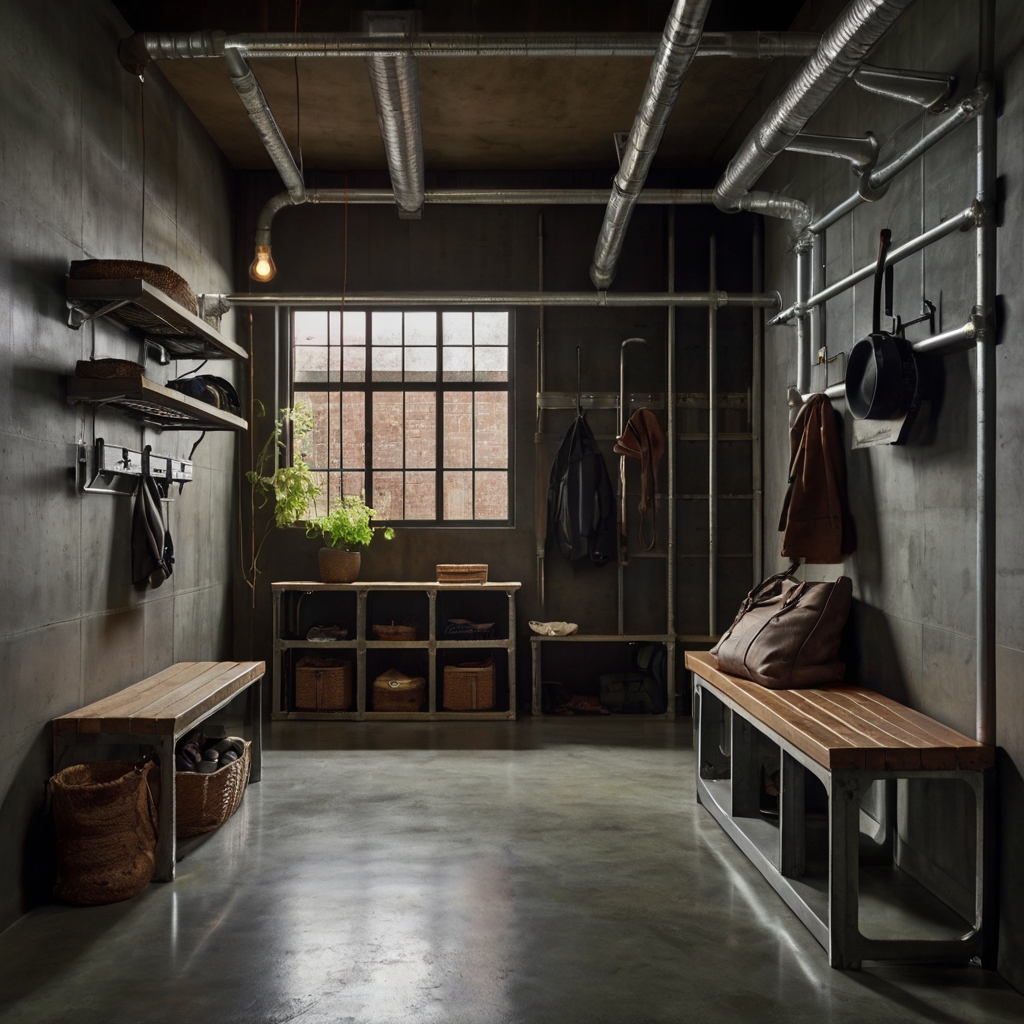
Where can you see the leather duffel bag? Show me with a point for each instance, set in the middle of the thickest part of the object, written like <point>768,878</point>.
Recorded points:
<point>787,633</point>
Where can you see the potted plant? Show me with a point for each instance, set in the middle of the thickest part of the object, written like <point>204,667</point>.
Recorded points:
<point>343,529</point>
<point>292,487</point>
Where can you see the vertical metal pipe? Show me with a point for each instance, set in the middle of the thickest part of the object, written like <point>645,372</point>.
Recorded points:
<point>756,390</point>
<point>540,493</point>
<point>985,254</point>
<point>670,404</point>
<point>712,446</point>
<point>803,347</point>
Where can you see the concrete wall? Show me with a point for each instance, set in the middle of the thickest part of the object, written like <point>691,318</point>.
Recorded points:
<point>72,627</point>
<point>480,248</point>
<point>915,506</point>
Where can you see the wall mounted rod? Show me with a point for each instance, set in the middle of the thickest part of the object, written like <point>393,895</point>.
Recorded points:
<point>629,300</point>
<point>143,47</point>
<point>985,377</point>
<point>961,221</point>
<point>966,110</point>
<point>712,446</point>
<point>756,399</point>
<point>670,424</point>
<point>803,341</point>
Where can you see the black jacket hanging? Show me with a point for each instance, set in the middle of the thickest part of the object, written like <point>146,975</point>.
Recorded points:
<point>152,550</point>
<point>581,506</point>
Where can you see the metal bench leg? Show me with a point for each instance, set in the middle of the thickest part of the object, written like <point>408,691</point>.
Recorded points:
<point>843,875</point>
<point>256,714</point>
<point>792,818</point>
<point>166,846</point>
<point>744,784</point>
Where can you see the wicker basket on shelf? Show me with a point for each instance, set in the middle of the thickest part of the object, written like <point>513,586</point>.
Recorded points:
<point>173,285</point>
<point>393,632</point>
<point>395,692</point>
<point>322,684</point>
<point>468,573</point>
<point>469,686</point>
<point>205,802</point>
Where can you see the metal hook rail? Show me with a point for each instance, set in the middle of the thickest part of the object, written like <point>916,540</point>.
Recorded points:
<point>119,461</point>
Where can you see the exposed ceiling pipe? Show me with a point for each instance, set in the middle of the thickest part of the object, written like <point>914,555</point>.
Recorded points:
<point>476,197</point>
<point>841,50</point>
<point>139,49</point>
<point>256,106</point>
<point>395,83</point>
<point>675,54</point>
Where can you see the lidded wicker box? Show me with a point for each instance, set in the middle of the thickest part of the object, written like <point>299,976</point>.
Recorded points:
<point>469,686</point>
<point>323,684</point>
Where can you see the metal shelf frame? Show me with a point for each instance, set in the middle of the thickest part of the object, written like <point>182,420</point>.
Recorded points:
<point>360,645</point>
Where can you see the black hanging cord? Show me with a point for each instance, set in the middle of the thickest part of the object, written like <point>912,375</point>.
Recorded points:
<point>579,397</point>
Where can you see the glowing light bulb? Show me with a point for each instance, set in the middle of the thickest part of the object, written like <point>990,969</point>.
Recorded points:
<point>262,267</point>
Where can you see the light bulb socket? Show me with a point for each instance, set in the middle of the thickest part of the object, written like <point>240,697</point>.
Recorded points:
<point>262,267</point>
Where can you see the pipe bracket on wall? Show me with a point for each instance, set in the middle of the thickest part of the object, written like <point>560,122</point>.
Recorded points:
<point>113,464</point>
<point>861,153</point>
<point>927,89</point>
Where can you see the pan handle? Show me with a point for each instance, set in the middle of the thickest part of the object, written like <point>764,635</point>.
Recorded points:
<point>884,242</point>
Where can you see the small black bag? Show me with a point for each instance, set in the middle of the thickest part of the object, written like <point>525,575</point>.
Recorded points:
<point>211,389</point>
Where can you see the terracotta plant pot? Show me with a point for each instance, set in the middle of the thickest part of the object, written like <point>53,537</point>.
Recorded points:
<point>338,565</point>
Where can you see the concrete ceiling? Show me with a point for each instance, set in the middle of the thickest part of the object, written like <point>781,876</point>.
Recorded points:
<point>478,113</point>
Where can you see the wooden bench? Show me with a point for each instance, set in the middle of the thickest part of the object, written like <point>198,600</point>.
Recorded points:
<point>156,713</point>
<point>857,743</point>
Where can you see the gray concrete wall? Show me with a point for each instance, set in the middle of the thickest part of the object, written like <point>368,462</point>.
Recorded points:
<point>915,506</point>
<point>72,627</point>
<point>480,248</point>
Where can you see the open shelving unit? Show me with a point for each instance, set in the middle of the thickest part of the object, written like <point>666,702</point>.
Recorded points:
<point>358,606</point>
<point>138,306</point>
<point>143,399</point>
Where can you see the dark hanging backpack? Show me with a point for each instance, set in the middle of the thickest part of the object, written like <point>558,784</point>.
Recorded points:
<point>581,504</point>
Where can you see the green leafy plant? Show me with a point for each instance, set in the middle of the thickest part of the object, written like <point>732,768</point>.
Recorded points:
<point>347,525</point>
<point>292,488</point>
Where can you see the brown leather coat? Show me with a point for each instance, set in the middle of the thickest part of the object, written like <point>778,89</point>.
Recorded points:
<point>816,521</point>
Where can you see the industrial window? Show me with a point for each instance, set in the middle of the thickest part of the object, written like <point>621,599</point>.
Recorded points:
<point>411,411</point>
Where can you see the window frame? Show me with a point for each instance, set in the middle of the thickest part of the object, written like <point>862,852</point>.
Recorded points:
<point>437,387</point>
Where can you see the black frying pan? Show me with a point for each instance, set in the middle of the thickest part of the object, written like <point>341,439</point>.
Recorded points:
<point>881,375</point>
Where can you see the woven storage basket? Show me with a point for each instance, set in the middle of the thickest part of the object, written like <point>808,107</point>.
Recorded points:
<point>108,369</point>
<point>173,285</point>
<point>205,802</point>
<point>394,632</point>
<point>322,684</point>
<point>106,831</point>
<point>470,573</point>
<point>393,691</point>
<point>463,629</point>
<point>469,686</point>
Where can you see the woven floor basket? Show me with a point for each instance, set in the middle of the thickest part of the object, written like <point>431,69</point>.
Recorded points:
<point>205,802</point>
<point>323,684</point>
<point>397,695</point>
<point>170,283</point>
<point>106,831</point>
<point>469,687</point>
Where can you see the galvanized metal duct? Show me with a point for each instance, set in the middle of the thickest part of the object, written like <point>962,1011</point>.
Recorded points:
<point>137,50</point>
<point>395,83</point>
<point>841,50</point>
<point>255,103</point>
<point>675,53</point>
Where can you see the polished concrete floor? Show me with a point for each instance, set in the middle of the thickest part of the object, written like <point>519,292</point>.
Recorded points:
<point>552,871</point>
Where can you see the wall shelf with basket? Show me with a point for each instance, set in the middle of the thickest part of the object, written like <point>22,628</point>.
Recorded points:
<point>394,651</point>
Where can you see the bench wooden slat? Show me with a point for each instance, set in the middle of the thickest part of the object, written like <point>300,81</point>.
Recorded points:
<point>849,726</point>
<point>168,702</point>
<point>137,694</point>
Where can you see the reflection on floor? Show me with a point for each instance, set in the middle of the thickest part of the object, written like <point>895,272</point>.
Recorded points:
<point>543,872</point>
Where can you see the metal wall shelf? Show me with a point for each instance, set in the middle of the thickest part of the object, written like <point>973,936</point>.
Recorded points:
<point>359,646</point>
<point>177,329</point>
<point>152,403</point>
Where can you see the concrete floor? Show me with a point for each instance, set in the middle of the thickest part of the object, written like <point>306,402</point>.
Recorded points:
<point>552,871</point>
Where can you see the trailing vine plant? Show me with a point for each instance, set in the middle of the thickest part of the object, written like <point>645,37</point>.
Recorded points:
<point>292,488</point>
